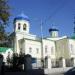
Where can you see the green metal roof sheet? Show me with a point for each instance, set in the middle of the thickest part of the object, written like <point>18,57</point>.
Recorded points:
<point>3,49</point>
<point>73,37</point>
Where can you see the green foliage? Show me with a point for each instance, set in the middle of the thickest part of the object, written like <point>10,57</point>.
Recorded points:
<point>3,37</point>
<point>4,17</point>
<point>2,32</point>
<point>4,11</point>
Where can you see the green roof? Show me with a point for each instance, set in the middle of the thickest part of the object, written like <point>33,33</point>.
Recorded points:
<point>73,37</point>
<point>3,49</point>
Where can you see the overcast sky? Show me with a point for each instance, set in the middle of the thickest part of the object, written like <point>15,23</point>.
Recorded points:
<point>58,13</point>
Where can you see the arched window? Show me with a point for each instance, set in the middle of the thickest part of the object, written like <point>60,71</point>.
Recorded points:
<point>30,49</point>
<point>19,26</point>
<point>24,27</point>
<point>72,49</point>
<point>52,50</point>
<point>46,48</point>
<point>37,50</point>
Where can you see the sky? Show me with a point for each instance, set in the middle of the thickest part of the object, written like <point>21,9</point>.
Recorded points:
<point>58,13</point>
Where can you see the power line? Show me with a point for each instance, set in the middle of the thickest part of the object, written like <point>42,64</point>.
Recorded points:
<point>57,10</point>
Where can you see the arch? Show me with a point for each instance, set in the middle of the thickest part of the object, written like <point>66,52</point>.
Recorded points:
<point>19,25</point>
<point>24,26</point>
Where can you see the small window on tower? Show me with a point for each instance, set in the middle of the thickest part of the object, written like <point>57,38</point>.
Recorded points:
<point>24,27</point>
<point>19,26</point>
<point>30,49</point>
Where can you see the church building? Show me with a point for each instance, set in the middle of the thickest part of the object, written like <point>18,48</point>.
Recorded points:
<point>50,52</point>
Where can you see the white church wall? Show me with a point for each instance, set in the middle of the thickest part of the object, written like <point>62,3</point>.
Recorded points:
<point>35,48</point>
<point>22,46</point>
<point>72,47</point>
<point>16,45</point>
<point>50,48</point>
<point>21,26</point>
<point>21,35</point>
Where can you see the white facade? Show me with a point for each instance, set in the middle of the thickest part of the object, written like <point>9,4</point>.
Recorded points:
<point>45,48</point>
<point>53,51</point>
<point>42,49</point>
<point>72,47</point>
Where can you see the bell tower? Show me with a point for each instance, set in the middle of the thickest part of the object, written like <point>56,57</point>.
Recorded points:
<point>21,28</point>
<point>21,23</point>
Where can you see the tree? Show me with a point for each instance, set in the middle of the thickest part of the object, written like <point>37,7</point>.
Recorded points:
<point>3,37</point>
<point>2,32</point>
<point>4,12</point>
<point>4,17</point>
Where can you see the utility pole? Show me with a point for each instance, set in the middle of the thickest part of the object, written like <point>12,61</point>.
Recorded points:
<point>42,53</point>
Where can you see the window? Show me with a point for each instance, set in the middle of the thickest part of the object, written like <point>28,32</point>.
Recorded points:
<point>24,27</point>
<point>52,50</point>
<point>71,48</point>
<point>37,50</point>
<point>30,50</point>
<point>19,26</point>
<point>45,49</point>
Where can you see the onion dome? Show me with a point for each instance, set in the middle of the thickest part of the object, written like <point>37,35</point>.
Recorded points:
<point>21,17</point>
<point>53,29</point>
